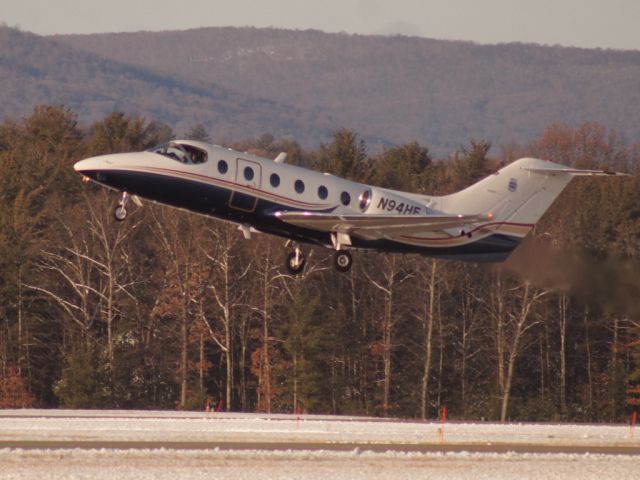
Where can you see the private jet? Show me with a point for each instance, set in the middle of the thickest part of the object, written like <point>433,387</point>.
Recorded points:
<point>482,223</point>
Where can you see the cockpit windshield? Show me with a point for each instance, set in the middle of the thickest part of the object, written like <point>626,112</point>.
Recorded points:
<point>182,153</point>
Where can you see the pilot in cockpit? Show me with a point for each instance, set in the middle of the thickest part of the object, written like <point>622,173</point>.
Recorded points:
<point>178,152</point>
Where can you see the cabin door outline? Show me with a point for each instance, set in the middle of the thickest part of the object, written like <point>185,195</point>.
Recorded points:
<point>246,201</point>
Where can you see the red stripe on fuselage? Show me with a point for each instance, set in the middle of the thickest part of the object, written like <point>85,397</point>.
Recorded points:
<point>233,185</point>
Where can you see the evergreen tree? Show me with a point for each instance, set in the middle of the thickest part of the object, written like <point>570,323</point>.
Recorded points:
<point>34,188</point>
<point>83,379</point>
<point>120,133</point>
<point>471,164</point>
<point>307,343</point>
<point>402,168</point>
<point>345,156</point>
<point>199,133</point>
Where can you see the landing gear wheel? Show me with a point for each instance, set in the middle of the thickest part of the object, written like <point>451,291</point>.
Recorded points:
<point>120,213</point>
<point>295,262</point>
<point>342,261</point>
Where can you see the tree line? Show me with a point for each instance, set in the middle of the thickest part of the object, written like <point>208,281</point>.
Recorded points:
<point>173,310</point>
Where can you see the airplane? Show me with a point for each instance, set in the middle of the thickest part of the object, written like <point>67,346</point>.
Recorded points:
<point>482,223</point>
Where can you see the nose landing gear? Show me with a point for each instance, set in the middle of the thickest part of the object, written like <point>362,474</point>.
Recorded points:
<point>120,213</point>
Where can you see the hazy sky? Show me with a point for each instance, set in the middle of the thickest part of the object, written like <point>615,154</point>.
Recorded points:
<point>583,23</point>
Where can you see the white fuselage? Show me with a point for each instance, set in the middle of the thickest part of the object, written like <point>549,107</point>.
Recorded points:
<point>313,207</point>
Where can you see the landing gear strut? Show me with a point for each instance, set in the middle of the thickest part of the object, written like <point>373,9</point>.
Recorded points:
<point>295,261</point>
<point>120,213</point>
<point>342,261</point>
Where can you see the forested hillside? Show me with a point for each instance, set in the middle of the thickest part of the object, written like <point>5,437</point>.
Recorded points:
<point>301,85</point>
<point>36,70</point>
<point>171,310</point>
<point>398,89</point>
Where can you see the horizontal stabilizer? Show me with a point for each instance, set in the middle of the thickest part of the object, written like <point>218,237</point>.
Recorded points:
<point>571,171</point>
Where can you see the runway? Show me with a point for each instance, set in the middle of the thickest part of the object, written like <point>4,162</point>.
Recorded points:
<point>334,447</point>
<point>124,444</point>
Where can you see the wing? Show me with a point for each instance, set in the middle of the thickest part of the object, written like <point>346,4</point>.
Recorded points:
<point>377,226</point>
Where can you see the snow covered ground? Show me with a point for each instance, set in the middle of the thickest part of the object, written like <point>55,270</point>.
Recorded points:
<point>192,445</point>
<point>210,465</point>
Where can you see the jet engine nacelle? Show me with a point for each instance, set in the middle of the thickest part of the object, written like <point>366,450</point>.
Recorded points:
<point>381,201</point>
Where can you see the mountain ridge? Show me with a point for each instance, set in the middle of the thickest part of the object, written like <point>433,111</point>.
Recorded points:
<point>302,85</point>
<point>438,92</point>
<point>36,70</point>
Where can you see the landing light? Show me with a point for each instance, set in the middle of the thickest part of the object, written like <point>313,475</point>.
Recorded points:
<point>85,179</point>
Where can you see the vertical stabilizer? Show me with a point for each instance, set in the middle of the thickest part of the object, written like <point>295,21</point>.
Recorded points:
<point>517,195</point>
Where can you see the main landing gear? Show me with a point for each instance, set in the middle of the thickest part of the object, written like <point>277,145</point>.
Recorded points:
<point>296,260</point>
<point>342,261</point>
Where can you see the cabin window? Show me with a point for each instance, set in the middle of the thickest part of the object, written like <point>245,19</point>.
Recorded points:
<point>323,193</point>
<point>248,173</point>
<point>345,198</point>
<point>274,179</point>
<point>299,186</point>
<point>223,167</point>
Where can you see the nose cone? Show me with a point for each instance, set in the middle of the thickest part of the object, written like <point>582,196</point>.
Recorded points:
<point>88,165</point>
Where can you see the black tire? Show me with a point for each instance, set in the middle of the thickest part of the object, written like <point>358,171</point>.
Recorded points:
<point>293,267</point>
<point>120,213</point>
<point>342,261</point>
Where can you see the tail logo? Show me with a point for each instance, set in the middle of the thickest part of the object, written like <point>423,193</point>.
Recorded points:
<point>513,185</point>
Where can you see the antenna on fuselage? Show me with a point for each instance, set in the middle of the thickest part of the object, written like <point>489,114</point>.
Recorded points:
<point>282,156</point>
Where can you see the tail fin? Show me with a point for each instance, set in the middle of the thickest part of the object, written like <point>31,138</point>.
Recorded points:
<point>517,195</point>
